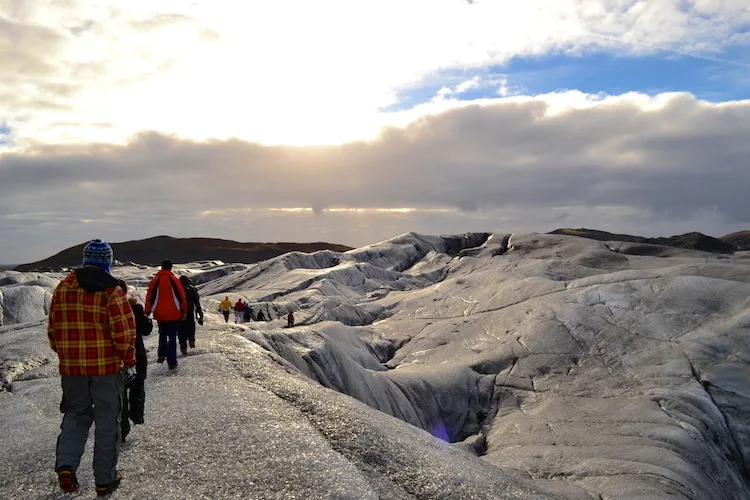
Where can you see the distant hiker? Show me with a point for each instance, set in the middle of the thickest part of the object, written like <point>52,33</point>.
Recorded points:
<point>225,307</point>
<point>166,298</point>
<point>261,317</point>
<point>290,319</point>
<point>248,313</point>
<point>92,330</point>
<point>239,311</point>
<point>134,401</point>
<point>187,326</point>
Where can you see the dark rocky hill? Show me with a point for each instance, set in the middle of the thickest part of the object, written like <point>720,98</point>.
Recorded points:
<point>692,241</point>
<point>152,251</point>
<point>739,240</point>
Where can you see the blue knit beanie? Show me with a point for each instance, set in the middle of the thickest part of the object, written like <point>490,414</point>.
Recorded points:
<point>98,253</point>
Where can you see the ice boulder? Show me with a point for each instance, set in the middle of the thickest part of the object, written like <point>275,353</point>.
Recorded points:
<point>25,304</point>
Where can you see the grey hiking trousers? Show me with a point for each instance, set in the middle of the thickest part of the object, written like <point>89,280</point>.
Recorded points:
<point>88,400</point>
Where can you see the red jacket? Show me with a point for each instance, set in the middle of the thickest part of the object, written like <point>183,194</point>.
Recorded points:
<point>166,297</point>
<point>239,306</point>
<point>91,326</point>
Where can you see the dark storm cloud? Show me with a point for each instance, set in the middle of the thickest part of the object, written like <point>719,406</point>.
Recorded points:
<point>682,157</point>
<point>675,160</point>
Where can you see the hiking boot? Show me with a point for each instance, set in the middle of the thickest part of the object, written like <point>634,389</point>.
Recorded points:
<point>103,491</point>
<point>172,367</point>
<point>192,345</point>
<point>161,359</point>
<point>183,350</point>
<point>67,480</point>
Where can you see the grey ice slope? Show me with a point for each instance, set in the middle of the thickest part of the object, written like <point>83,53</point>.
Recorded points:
<point>571,370</point>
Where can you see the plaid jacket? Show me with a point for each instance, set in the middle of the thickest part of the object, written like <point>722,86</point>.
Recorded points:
<point>91,325</point>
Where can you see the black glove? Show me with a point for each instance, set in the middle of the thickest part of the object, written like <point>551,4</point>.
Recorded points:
<point>128,375</point>
<point>200,318</point>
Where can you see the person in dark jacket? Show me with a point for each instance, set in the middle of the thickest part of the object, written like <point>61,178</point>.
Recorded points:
<point>134,402</point>
<point>194,311</point>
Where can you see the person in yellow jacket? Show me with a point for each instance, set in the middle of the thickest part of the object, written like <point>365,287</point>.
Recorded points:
<point>225,308</point>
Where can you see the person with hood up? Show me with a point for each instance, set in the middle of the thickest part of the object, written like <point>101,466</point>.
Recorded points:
<point>92,330</point>
<point>239,311</point>
<point>134,402</point>
<point>166,298</point>
<point>187,326</point>
<point>225,308</point>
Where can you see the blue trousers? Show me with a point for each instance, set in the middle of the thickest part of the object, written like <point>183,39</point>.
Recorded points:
<point>168,340</point>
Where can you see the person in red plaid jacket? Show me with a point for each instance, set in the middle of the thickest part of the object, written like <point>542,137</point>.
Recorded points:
<point>92,330</point>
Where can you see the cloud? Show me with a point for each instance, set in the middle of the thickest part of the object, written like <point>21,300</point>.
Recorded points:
<point>479,84</point>
<point>668,157</point>
<point>140,116</point>
<point>251,70</point>
<point>24,48</point>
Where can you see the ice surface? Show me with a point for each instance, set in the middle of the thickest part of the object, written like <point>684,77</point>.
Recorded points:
<point>25,297</point>
<point>469,366</point>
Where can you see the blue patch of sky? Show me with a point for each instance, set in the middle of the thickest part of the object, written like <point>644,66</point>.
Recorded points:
<point>722,78</point>
<point>5,134</point>
<point>409,97</point>
<point>707,78</point>
<point>425,90</point>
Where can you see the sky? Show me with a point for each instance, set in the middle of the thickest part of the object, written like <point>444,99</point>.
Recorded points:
<point>353,122</point>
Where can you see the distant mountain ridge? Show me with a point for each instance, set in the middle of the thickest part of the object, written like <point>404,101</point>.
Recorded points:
<point>152,251</point>
<point>739,240</point>
<point>692,241</point>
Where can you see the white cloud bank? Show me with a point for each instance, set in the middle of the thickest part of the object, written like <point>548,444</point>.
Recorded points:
<point>294,71</point>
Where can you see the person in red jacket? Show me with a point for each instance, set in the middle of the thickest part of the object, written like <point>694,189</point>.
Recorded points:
<point>92,330</point>
<point>239,311</point>
<point>166,298</point>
